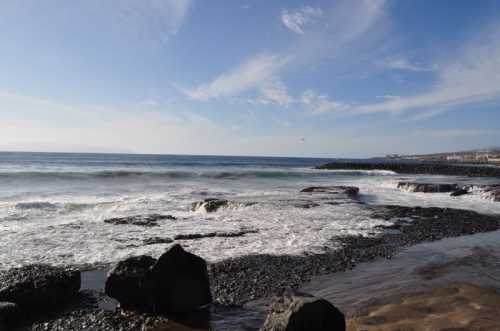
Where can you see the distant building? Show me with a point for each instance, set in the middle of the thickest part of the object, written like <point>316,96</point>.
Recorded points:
<point>454,158</point>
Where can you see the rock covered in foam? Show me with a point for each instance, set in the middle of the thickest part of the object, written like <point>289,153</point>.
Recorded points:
<point>211,205</point>
<point>36,288</point>
<point>428,187</point>
<point>302,313</point>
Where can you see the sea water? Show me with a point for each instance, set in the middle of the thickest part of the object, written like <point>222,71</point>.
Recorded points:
<point>53,205</point>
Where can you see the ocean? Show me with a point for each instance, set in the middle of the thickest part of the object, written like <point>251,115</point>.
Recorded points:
<point>53,205</point>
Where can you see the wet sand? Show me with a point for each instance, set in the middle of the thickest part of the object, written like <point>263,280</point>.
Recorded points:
<point>452,284</point>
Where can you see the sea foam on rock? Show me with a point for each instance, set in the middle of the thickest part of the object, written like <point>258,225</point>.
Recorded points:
<point>37,288</point>
<point>211,205</point>
<point>428,187</point>
<point>175,283</point>
<point>303,313</point>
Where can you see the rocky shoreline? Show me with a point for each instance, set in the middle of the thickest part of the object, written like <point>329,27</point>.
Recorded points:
<point>429,168</point>
<point>236,282</point>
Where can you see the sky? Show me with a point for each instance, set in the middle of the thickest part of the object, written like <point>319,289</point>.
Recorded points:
<point>347,78</point>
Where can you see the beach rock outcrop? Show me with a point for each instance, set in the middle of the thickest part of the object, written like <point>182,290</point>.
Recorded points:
<point>179,282</point>
<point>351,191</point>
<point>175,283</point>
<point>428,187</point>
<point>9,314</point>
<point>36,288</point>
<point>128,283</point>
<point>459,192</point>
<point>210,205</point>
<point>303,313</point>
<point>141,220</point>
<point>430,168</point>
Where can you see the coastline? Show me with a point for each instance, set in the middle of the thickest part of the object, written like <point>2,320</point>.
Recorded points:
<point>242,287</point>
<point>419,168</point>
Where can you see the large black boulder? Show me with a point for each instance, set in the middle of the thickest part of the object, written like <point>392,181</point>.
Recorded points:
<point>179,282</point>
<point>9,315</point>
<point>175,283</point>
<point>37,288</point>
<point>127,282</point>
<point>303,313</point>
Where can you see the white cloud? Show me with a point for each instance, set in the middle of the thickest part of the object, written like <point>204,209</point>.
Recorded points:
<point>254,73</point>
<point>402,63</point>
<point>296,20</point>
<point>319,104</point>
<point>276,92</point>
<point>472,77</point>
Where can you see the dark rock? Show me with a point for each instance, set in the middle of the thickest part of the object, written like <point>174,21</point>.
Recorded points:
<point>127,282</point>
<point>430,168</point>
<point>9,315</point>
<point>179,282</point>
<point>428,187</point>
<point>347,190</point>
<point>213,204</point>
<point>193,236</point>
<point>303,313</point>
<point>460,192</point>
<point>36,288</point>
<point>141,220</point>
<point>210,205</point>
<point>157,240</point>
<point>98,320</point>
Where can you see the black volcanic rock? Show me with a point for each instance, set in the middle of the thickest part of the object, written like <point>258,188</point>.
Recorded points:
<point>460,192</point>
<point>141,220</point>
<point>9,315</point>
<point>303,313</point>
<point>347,190</point>
<point>430,168</point>
<point>175,283</point>
<point>36,288</point>
<point>428,187</point>
<point>193,236</point>
<point>128,283</point>
<point>179,282</point>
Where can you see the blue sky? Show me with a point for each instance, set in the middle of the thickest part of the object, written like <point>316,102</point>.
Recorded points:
<point>290,78</point>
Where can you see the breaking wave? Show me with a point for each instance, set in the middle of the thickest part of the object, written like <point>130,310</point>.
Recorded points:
<point>179,174</point>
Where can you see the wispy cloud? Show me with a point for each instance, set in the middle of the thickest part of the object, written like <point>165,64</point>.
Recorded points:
<point>402,63</point>
<point>276,92</point>
<point>261,73</point>
<point>319,104</point>
<point>159,19</point>
<point>253,73</point>
<point>472,77</point>
<point>296,20</point>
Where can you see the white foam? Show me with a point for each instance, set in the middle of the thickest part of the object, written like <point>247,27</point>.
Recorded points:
<point>74,231</point>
